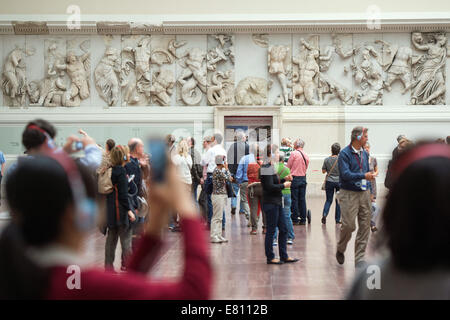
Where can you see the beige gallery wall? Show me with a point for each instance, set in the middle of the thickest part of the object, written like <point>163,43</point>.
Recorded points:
<point>182,7</point>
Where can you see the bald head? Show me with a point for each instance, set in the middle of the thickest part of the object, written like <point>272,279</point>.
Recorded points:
<point>136,147</point>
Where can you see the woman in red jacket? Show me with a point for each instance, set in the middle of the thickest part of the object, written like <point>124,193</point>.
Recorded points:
<point>51,203</point>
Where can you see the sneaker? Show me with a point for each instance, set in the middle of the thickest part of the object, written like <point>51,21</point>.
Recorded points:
<point>373,229</point>
<point>216,240</point>
<point>233,211</point>
<point>340,257</point>
<point>223,239</point>
<point>275,243</point>
<point>289,241</point>
<point>253,232</point>
<point>324,220</point>
<point>338,222</point>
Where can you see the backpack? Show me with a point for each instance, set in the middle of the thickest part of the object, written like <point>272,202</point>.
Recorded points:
<point>104,182</point>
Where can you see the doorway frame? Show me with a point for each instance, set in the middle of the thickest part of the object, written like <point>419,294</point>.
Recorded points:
<point>220,112</point>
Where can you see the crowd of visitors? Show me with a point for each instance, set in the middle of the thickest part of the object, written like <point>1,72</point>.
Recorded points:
<point>49,224</point>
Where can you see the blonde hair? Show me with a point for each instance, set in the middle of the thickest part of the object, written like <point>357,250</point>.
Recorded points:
<point>183,148</point>
<point>126,149</point>
<point>117,155</point>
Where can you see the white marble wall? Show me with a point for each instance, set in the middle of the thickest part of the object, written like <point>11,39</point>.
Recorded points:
<point>319,126</point>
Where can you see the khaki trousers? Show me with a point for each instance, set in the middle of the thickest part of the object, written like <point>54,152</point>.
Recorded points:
<point>243,205</point>
<point>354,204</point>
<point>218,201</point>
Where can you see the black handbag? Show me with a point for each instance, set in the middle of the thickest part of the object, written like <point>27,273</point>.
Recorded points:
<point>230,191</point>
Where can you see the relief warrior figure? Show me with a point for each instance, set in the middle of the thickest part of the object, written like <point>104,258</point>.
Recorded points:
<point>329,88</point>
<point>369,75</point>
<point>76,68</point>
<point>277,60</point>
<point>162,87</point>
<point>398,65</point>
<point>141,64</point>
<point>429,84</point>
<point>305,81</point>
<point>50,92</point>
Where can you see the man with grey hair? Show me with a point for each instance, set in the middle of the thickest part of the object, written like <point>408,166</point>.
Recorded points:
<point>235,153</point>
<point>354,195</point>
<point>133,169</point>
<point>298,164</point>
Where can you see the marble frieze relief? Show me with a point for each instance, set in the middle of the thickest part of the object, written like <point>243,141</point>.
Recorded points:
<point>161,70</point>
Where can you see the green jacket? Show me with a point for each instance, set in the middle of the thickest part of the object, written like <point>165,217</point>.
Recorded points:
<point>283,172</point>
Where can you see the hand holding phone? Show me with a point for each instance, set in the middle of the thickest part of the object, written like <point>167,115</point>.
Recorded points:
<point>77,145</point>
<point>158,160</point>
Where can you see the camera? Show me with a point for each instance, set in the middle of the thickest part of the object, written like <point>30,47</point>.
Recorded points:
<point>77,145</point>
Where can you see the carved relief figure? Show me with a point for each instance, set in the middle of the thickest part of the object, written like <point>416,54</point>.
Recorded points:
<point>368,74</point>
<point>261,40</point>
<point>252,91</point>
<point>278,62</point>
<point>193,77</point>
<point>106,76</point>
<point>141,64</point>
<point>162,87</point>
<point>429,80</point>
<point>397,65</point>
<point>329,89</point>
<point>50,92</point>
<point>77,69</point>
<point>305,81</point>
<point>14,82</point>
<point>163,79</point>
<point>220,89</point>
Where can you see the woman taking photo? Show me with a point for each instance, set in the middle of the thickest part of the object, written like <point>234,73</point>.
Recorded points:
<point>272,206</point>
<point>49,226</point>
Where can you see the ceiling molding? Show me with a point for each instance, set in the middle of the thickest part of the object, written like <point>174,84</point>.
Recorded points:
<point>205,25</point>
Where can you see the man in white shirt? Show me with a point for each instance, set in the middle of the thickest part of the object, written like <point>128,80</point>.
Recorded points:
<point>208,160</point>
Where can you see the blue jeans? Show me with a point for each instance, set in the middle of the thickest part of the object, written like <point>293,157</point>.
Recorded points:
<point>330,188</point>
<point>287,217</point>
<point>298,195</point>
<point>235,187</point>
<point>194,190</point>
<point>274,218</point>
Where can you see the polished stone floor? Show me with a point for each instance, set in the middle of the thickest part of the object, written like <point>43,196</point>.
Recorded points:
<point>240,265</point>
